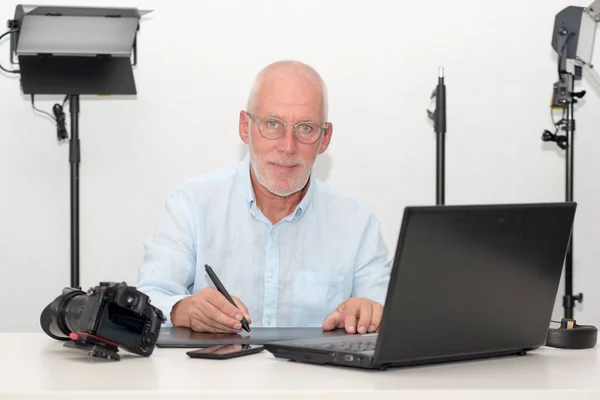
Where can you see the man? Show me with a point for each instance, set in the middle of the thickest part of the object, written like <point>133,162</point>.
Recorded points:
<point>289,249</point>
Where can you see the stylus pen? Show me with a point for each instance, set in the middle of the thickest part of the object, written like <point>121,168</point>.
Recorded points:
<point>223,291</point>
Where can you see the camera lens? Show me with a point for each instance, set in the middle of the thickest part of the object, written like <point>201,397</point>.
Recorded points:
<point>72,311</point>
<point>60,317</point>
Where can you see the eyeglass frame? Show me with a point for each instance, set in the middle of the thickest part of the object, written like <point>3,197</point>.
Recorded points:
<point>257,121</point>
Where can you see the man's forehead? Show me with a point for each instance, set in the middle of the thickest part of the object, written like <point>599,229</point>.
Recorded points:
<point>289,92</point>
<point>296,111</point>
<point>296,116</point>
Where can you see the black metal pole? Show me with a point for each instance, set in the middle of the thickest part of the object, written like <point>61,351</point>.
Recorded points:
<point>440,130</point>
<point>568,300</point>
<point>74,160</point>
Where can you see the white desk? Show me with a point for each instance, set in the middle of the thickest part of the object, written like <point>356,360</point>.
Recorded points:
<point>36,366</point>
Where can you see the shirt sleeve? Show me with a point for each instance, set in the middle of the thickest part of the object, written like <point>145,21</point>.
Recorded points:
<point>168,268</point>
<point>373,266</point>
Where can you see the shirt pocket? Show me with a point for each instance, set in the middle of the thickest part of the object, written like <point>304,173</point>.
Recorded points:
<point>316,295</point>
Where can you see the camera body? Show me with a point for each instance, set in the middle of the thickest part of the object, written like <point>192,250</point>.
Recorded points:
<point>108,316</point>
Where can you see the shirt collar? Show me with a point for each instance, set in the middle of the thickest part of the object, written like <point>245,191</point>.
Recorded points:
<point>251,199</point>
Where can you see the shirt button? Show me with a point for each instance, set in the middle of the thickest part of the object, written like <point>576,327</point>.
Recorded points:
<point>270,274</point>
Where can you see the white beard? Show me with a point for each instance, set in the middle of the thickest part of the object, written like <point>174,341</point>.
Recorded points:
<point>281,185</point>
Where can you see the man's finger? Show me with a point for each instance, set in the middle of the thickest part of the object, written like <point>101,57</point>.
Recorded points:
<point>376,317</point>
<point>215,314</point>
<point>200,326</point>
<point>333,321</point>
<point>210,325</point>
<point>364,320</point>
<point>243,308</point>
<point>199,321</point>
<point>351,311</point>
<point>218,301</point>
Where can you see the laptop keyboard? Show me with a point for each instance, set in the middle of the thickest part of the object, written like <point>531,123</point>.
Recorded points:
<point>365,345</point>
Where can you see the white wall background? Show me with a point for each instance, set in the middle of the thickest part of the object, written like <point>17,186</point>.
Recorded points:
<point>380,60</point>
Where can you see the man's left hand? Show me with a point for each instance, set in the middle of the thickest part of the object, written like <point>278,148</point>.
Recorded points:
<point>355,315</point>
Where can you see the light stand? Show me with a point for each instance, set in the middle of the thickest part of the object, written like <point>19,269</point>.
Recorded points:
<point>74,160</point>
<point>573,39</point>
<point>74,51</point>
<point>439,119</point>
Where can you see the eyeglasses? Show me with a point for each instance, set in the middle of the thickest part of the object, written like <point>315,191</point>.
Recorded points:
<point>274,128</point>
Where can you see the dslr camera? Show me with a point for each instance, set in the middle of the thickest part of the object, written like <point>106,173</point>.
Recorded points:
<point>107,317</point>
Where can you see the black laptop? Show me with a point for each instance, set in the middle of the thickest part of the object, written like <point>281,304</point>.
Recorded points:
<point>467,282</point>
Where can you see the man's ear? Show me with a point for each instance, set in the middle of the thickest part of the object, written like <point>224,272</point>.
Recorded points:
<point>326,138</point>
<point>244,125</point>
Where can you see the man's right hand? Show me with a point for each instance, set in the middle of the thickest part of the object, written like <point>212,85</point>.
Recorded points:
<point>209,311</point>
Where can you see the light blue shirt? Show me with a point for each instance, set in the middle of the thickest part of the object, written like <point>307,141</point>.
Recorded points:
<point>292,273</point>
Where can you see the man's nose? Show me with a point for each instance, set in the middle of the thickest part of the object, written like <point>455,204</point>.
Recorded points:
<point>288,141</point>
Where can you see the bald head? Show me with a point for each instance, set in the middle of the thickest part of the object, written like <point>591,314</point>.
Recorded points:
<point>289,82</point>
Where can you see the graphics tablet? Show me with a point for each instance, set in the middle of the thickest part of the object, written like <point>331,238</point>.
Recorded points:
<point>184,337</point>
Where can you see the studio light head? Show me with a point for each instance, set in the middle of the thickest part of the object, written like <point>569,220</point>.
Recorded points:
<point>573,38</point>
<point>75,50</point>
